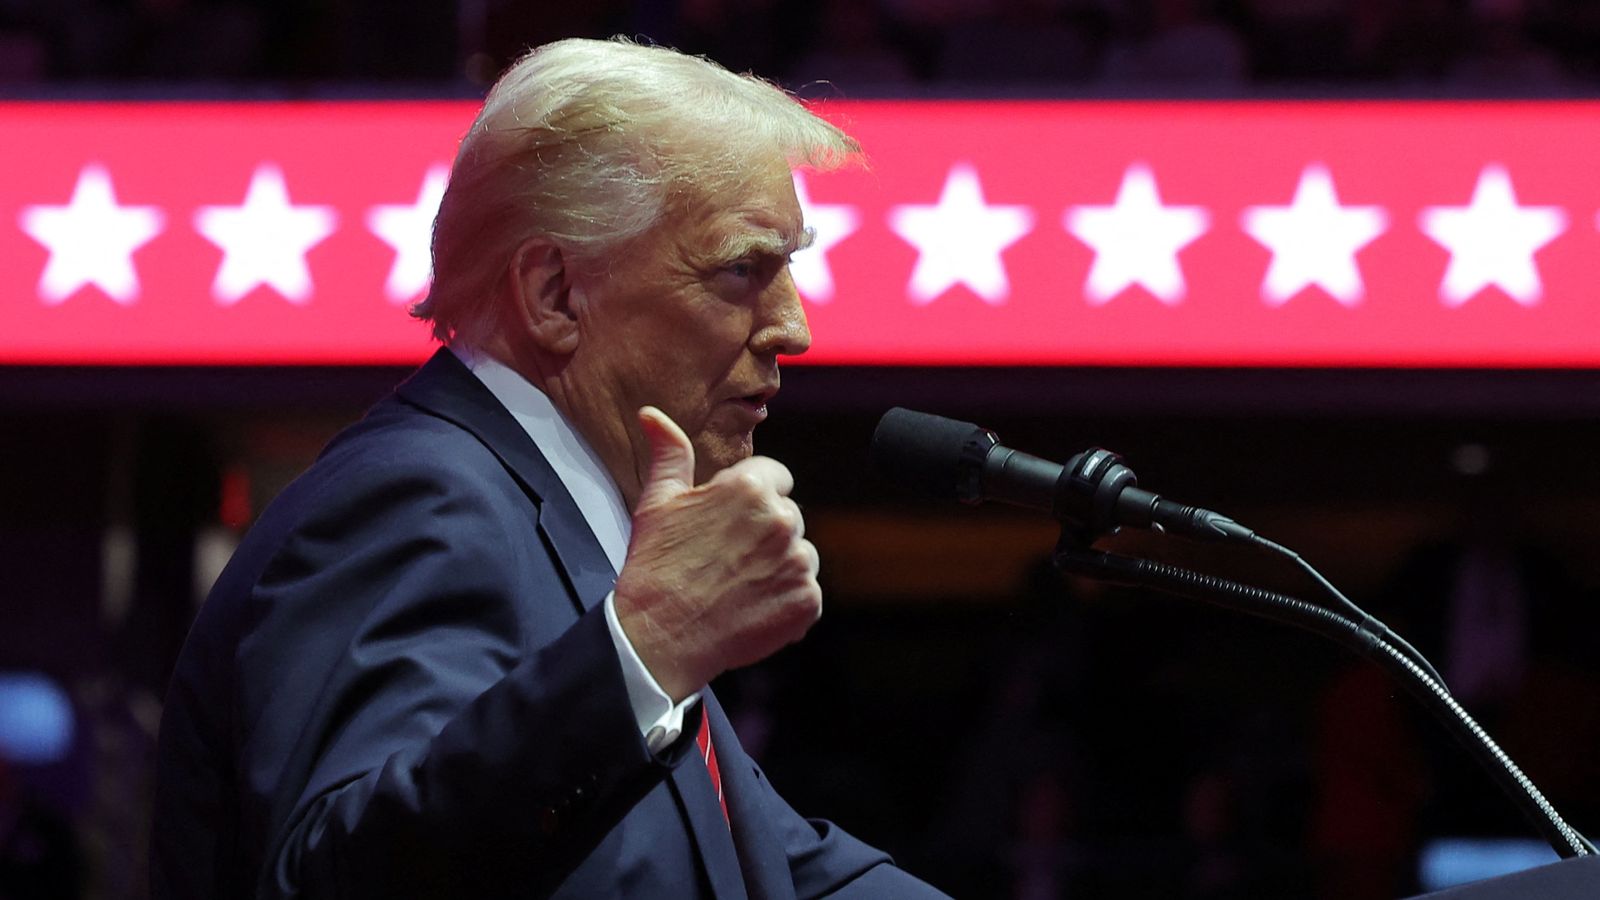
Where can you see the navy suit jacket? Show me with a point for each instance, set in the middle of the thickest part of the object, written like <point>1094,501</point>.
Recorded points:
<point>403,686</point>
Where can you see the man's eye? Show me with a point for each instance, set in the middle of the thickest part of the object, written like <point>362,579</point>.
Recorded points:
<point>741,269</point>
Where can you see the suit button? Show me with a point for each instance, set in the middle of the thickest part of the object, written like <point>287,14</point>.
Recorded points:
<point>549,821</point>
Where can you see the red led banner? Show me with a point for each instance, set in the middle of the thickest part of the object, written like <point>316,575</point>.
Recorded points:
<point>1072,233</point>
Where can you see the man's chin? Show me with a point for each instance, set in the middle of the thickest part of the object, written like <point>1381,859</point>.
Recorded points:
<point>718,452</point>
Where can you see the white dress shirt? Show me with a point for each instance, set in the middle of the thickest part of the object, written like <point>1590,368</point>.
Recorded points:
<point>600,502</point>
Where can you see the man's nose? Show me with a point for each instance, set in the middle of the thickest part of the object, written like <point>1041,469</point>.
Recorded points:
<point>782,327</point>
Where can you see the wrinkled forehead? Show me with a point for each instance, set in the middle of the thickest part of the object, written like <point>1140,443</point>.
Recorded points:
<point>756,212</point>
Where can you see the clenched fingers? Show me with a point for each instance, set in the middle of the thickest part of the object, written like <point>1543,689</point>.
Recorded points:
<point>759,472</point>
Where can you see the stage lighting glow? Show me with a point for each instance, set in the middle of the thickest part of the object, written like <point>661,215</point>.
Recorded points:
<point>36,720</point>
<point>1446,862</point>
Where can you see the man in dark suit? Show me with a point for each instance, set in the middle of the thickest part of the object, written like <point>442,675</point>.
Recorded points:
<point>465,654</point>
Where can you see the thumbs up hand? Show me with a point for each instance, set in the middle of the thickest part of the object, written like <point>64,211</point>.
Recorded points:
<point>718,575</point>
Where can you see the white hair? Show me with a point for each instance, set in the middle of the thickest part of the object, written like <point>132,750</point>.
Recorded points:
<point>586,143</point>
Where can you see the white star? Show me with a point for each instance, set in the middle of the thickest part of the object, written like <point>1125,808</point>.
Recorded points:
<point>409,230</point>
<point>832,223</point>
<point>264,240</point>
<point>91,240</point>
<point>959,239</point>
<point>1492,240</point>
<point>1314,240</point>
<point>1136,240</point>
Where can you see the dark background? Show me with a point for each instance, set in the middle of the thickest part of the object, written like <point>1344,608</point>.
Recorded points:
<point>1003,731</point>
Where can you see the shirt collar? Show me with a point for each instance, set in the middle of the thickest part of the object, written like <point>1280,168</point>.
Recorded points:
<point>573,460</point>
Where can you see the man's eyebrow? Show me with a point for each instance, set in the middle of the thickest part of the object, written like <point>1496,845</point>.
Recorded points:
<point>765,241</point>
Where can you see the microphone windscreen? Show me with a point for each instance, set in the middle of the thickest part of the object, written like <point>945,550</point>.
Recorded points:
<point>926,453</point>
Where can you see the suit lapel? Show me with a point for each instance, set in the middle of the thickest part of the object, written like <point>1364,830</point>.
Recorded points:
<point>448,389</point>
<point>691,783</point>
<point>761,858</point>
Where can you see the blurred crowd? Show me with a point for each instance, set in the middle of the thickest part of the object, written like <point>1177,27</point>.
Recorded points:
<point>853,47</point>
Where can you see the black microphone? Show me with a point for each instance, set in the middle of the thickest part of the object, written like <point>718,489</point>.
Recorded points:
<point>1093,495</point>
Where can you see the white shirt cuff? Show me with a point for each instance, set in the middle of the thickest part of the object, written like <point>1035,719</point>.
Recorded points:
<point>660,720</point>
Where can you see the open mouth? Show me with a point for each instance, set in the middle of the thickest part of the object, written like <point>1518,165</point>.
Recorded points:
<point>757,402</point>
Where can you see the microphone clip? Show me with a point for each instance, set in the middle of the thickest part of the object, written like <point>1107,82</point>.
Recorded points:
<point>1089,494</point>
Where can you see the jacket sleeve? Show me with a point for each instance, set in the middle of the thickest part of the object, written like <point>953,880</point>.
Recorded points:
<point>817,857</point>
<point>827,861</point>
<point>424,710</point>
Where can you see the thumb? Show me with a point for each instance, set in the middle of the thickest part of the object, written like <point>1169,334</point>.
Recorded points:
<point>671,455</point>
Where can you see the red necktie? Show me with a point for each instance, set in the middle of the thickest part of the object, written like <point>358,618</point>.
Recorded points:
<point>709,754</point>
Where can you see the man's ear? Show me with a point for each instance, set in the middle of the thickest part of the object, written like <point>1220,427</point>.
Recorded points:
<point>541,294</point>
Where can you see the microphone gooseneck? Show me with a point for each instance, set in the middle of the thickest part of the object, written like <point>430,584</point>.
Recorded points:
<point>1094,494</point>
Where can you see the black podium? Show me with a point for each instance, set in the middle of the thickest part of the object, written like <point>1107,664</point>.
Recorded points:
<point>1570,879</point>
